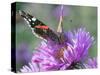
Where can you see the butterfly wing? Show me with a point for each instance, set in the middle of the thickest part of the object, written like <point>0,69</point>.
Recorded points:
<point>39,29</point>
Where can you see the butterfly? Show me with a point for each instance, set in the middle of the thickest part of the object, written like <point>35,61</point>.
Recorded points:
<point>40,29</point>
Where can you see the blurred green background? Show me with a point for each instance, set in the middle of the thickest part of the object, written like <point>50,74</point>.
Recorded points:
<point>75,17</point>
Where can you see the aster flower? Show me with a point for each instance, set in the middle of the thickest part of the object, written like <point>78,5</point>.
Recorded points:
<point>46,56</point>
<point>32,67</point>
<point>74,55</point>
<point>50,58</point>
<point>78,43</point>
<point>91,63</point>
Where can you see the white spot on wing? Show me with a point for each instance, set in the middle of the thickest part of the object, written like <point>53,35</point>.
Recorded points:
<point>34,19</point>
<point>27,22</point>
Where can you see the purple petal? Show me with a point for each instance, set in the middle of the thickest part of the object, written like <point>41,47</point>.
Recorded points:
<point>57,11</point>
<point>91,63</point>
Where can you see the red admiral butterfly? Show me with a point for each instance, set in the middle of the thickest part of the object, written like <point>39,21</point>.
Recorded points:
<point>39,29</point>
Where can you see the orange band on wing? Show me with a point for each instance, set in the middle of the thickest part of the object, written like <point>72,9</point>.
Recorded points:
<point>42,27</point>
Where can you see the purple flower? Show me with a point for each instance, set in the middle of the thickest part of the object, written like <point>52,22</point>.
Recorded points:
<point>47,57</point>
<point>78,43</point>
<point>32,67</point>
<point>72,54</point>
<point>57,11</point>
<point>76,52</point>
<point>91,63</point>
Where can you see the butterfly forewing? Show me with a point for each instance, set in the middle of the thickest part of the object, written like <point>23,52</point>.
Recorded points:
<point>39,29</point>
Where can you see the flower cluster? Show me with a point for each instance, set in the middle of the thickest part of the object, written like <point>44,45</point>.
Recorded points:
<point>72,54</point>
